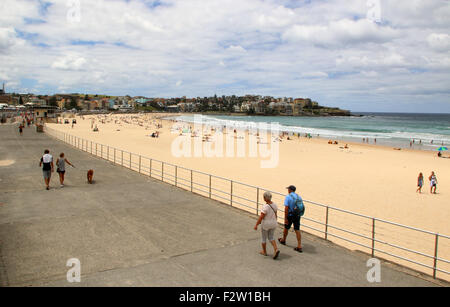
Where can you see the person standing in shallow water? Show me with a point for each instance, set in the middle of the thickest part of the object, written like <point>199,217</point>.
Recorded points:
<point>61,167</point>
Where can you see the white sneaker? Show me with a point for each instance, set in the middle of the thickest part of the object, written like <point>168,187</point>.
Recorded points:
<point>62,185</point>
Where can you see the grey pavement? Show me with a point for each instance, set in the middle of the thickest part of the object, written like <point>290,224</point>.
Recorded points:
<point>130,230</point>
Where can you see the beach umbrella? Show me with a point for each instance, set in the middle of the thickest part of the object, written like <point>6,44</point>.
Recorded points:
<point>442,149</point>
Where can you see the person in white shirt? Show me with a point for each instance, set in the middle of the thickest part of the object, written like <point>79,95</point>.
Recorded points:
<point>269,224</point>
<point>433,183</point>
<point>47,169</point>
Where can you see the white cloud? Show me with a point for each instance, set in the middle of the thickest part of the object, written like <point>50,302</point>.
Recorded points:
<point>236,49</point>
<point>315,74</point>
<point>8,38</point>
<point>198,48</point>
<point>439,42</point>
<point>341,32</point>
<point>69,62</point>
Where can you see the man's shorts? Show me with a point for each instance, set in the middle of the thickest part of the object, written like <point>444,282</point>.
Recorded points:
<point>47,174</point>
<point>293,220</point>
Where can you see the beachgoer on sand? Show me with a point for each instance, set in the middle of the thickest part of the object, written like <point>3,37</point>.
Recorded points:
<point>47,167</point>
<point>293,210</point>
<point>61,167</point>
<point>268,221</point>
<point>433,183</point>
<point>419,183</point>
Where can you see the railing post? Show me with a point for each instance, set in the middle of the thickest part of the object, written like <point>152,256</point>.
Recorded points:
<point>150,171</point>
<point>122,156</point>
<point>114,155</point>
<point>91,147</point>
<point>257,201</point>
<point>231,193</point>
<point>373,237</point>
<point>192,185</point>
<point>435,255</point>
<point>140,158</point>
<point>176,174</point>
<point>326,223</point>
<point>131,167</point>
<point>210,186</point>
<point>162,172</point>
<point>107,154</point>
<point>96,151</point>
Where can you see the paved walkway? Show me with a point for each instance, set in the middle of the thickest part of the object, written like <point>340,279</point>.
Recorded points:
<point>129,230</point>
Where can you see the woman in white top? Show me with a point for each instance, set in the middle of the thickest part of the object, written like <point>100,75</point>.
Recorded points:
<point>268,221</point>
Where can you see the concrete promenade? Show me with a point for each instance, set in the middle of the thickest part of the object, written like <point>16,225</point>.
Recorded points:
<point>129,230</point>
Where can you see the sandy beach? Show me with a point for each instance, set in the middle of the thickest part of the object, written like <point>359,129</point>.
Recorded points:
<point>372,180</point>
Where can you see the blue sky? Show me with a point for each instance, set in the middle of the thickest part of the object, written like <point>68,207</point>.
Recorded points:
<point>362,55</point>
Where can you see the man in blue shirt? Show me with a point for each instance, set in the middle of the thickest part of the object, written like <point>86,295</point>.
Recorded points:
<point>291,218</point>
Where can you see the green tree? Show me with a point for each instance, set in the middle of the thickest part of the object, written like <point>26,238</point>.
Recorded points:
<point>73,103</point>
<point>52,101</point>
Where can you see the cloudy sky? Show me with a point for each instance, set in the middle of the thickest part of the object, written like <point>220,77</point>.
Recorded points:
<point>362,55</point>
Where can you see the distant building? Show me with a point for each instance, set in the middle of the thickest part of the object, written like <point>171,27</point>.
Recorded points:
<point>6,99</point>
<point>173,109</point>
<point>44,114</point>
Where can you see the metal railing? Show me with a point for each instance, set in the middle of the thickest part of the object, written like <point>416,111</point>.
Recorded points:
<point>408,246</point>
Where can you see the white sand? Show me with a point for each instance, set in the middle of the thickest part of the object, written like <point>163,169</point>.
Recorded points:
<point>371,180</point>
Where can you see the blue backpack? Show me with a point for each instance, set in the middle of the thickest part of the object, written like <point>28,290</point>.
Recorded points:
<point>299,208</point>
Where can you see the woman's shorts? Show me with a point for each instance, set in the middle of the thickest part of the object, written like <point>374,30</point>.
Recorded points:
<point>267,234</point>
<point>47,174</point>
<point>61,172</point>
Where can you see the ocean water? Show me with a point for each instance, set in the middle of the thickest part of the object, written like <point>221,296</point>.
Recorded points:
<point>389,129</point>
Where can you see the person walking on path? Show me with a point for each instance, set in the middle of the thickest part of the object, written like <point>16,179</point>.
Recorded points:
<point>419,183</point>
<point>20,129</point>
<point>47,169</point>
<point>268,221</point>
<point>291,217</point>
<point>433,183</point>
<point>61,167</point>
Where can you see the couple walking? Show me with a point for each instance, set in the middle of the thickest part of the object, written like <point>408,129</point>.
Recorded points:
<point>47,167</point>
<point>433,183</point>
<point>293,210</point>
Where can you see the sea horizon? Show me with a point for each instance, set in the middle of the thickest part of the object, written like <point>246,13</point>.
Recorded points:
<point>421,131</point>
